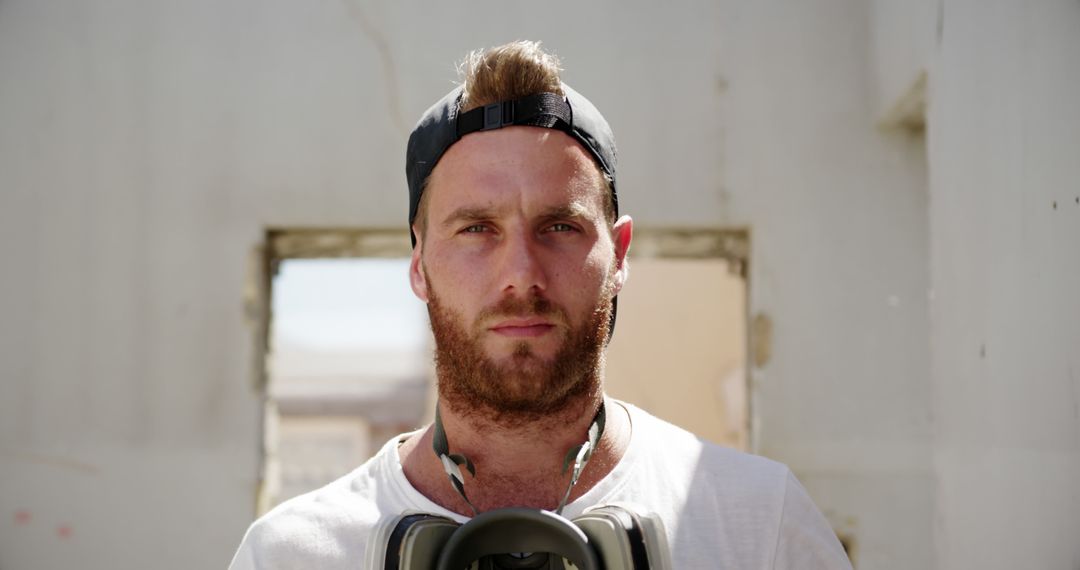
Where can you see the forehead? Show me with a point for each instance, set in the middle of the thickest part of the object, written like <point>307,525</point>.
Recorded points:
<point>515,167</point>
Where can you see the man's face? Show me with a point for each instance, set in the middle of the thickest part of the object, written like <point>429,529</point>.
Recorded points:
<point>518,265</point>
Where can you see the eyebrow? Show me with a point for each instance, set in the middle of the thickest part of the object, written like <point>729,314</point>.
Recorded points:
<point>468,214</point>
<point>573,210</point>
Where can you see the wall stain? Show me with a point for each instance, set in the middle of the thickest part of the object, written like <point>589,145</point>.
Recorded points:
<point>761,339</point>
<point>54,461</point>
<point>845,529</point>
<point>1075,394</point>
<point>848,542</point>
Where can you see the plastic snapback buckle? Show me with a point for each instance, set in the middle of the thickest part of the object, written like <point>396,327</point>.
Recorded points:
<point>498,115</point>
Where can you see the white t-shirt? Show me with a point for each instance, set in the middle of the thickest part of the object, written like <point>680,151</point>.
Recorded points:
<point>721,508</point>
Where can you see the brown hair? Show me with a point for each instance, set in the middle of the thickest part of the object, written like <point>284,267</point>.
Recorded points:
<point>505,73</point>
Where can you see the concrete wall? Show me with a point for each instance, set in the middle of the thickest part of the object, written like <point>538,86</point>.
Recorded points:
<point>1004,140</point>
<point>838,217</point>
<point>146,146</point>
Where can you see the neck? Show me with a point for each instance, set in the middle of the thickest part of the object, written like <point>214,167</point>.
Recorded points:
<point>519,447</point>
<point>519,464</point>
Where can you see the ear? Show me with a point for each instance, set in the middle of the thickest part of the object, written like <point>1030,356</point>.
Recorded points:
<point>417,278</point>
<point>621,234</point>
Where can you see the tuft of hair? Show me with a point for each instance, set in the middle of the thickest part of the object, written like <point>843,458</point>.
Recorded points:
<point>505,73</point>
<point>510,71</point>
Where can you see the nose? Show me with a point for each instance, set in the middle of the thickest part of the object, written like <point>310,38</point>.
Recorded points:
<point>523,270</point>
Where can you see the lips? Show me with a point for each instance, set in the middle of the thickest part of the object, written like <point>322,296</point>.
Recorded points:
<point>523,328</point>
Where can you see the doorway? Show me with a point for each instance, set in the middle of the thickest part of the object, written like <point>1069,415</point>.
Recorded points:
<point>347,348</point>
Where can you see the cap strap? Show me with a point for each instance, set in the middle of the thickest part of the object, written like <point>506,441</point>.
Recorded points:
<point>540,110</point>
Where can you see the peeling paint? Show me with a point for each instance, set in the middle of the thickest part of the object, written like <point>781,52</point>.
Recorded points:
<point>386,59</point>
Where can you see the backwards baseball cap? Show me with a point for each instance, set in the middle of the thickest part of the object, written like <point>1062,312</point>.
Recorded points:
<point>443,125</point>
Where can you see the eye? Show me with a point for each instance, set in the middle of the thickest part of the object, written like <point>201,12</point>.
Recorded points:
<point>476,229</point>
<point>560,227</point>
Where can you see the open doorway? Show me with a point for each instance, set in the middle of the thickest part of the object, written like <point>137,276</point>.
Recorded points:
<point>681,341</point>
<point>347,348</point>
<point>348,356</point>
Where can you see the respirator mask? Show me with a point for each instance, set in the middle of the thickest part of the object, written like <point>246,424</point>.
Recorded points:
<point>611,537</point>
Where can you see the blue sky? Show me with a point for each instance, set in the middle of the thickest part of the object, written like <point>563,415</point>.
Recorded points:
<point>343,304</point>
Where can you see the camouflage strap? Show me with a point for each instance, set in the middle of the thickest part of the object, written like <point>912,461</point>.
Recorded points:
<point>451,462</point>
<point>578,455</point>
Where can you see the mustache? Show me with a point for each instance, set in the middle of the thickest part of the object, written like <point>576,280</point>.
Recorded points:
<point>522,307</point>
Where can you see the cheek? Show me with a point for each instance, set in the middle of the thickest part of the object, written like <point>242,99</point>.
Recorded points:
<point>458,284</point>
<point>596,271</point>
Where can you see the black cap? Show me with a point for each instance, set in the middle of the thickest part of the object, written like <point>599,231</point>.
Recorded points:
<point>442,125</point>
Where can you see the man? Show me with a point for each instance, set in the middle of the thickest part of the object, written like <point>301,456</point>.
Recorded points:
<point>519,254</point>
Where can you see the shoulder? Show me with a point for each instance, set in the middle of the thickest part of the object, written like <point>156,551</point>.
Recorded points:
<point>317,529</point>
<point>695,481</point>
<point>752,509</point>
<point>804,538</point>
<point>678,451</point>
<point>325,528</point>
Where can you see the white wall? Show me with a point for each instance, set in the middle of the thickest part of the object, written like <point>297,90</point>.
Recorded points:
<point>146,146</point>
<point>1004,138</point>
<point>838,216</point>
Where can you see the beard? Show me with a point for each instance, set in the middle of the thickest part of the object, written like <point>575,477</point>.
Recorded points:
<point>523,386</point>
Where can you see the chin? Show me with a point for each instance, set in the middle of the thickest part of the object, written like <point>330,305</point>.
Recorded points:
<point>514,379</point>
<point>523,370</point>
<point>517,352</point>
